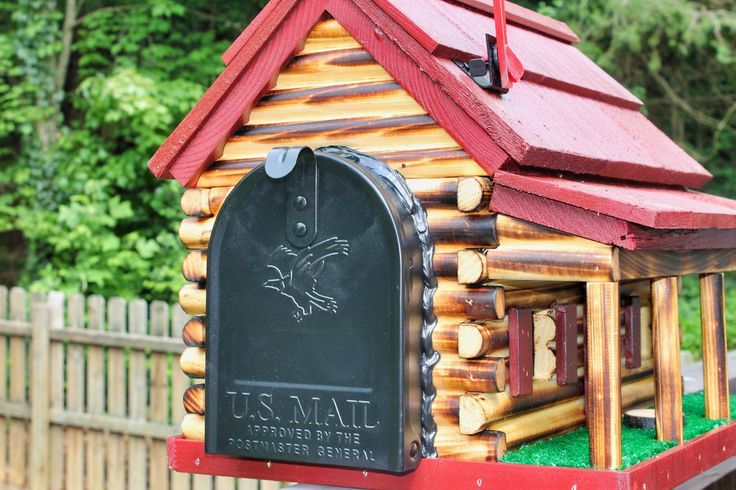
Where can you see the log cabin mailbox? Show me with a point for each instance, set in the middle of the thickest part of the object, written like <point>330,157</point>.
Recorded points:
<point>558,221</point>
<point>315,300</point>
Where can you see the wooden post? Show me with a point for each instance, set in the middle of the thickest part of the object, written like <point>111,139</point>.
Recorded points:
<point>39,448</point>
<point>715,364</point>
<point>666,339</point>
<point>603,371</point>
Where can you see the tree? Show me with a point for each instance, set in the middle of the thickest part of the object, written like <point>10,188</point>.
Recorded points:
<point>89,91</point>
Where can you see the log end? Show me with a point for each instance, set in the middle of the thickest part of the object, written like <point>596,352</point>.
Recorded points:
<point>194,399</point>
<point>501,374</point>
<point>501,446</point>
<point>472,341</point>
<point>194,233</point>
<point>194,332</point>
<point>471,267</point>
<point>193,362</point>
<point>195,202</point>
<point>194,267</point>
<point>500,303</point>
<point>472,193</point>
<point>192,427</point>
<point>193,299</point>
<point>472,415</point>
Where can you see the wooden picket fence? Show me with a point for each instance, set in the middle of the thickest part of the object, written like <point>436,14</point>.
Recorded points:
<point>89,391</point>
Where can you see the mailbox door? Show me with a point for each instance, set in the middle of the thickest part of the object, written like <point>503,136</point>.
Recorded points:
<point>314,313</point>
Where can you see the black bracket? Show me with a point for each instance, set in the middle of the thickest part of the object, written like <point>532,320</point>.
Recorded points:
<point>486,74</point>
<point>299,166</point>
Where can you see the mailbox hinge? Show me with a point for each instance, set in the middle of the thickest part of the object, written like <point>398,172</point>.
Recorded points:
<point>298,166</point>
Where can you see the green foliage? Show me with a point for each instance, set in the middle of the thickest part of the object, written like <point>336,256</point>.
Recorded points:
<point>73,171</point>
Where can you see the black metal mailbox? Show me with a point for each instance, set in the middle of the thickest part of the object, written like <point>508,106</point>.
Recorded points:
<point>317,293</point>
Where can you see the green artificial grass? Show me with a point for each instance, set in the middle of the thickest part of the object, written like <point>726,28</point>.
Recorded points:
<point>573,449</point>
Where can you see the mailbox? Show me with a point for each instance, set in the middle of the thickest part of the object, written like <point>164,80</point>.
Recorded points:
<point>318,275</point>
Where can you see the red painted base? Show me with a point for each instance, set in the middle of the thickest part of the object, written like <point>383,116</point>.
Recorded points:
<point>666,470</point>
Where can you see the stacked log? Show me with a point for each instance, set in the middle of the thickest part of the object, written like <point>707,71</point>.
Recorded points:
<point>466,194</point>
<point>194,332</point>
<point>481,411</point>
<point>556,419</point>
<point>472,336</point>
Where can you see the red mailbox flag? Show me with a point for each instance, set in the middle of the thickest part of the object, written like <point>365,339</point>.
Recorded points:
<point>509,66</point>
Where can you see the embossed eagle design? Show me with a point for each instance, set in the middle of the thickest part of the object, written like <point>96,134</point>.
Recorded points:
<point>297,275</point>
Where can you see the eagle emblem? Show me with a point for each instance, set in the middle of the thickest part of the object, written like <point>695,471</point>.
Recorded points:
<point>296,275</point>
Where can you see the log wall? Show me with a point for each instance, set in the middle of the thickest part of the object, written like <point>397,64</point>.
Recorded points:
<point>487,264</point>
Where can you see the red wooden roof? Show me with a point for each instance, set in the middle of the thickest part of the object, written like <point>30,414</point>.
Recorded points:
<point>663,208</point>
<point>565,115</point>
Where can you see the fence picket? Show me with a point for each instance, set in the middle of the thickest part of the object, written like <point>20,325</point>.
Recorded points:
<point>202,482</point>
<point>74,438</point>
<point>95,395</point>
<point>137,393</point>
<point>17,432</point>
<point>39,457</point>
<point>159,405</point>
<point>56,395</point>
<point>179,384</point>
<point>116,388</point>
<point>224,483</point>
